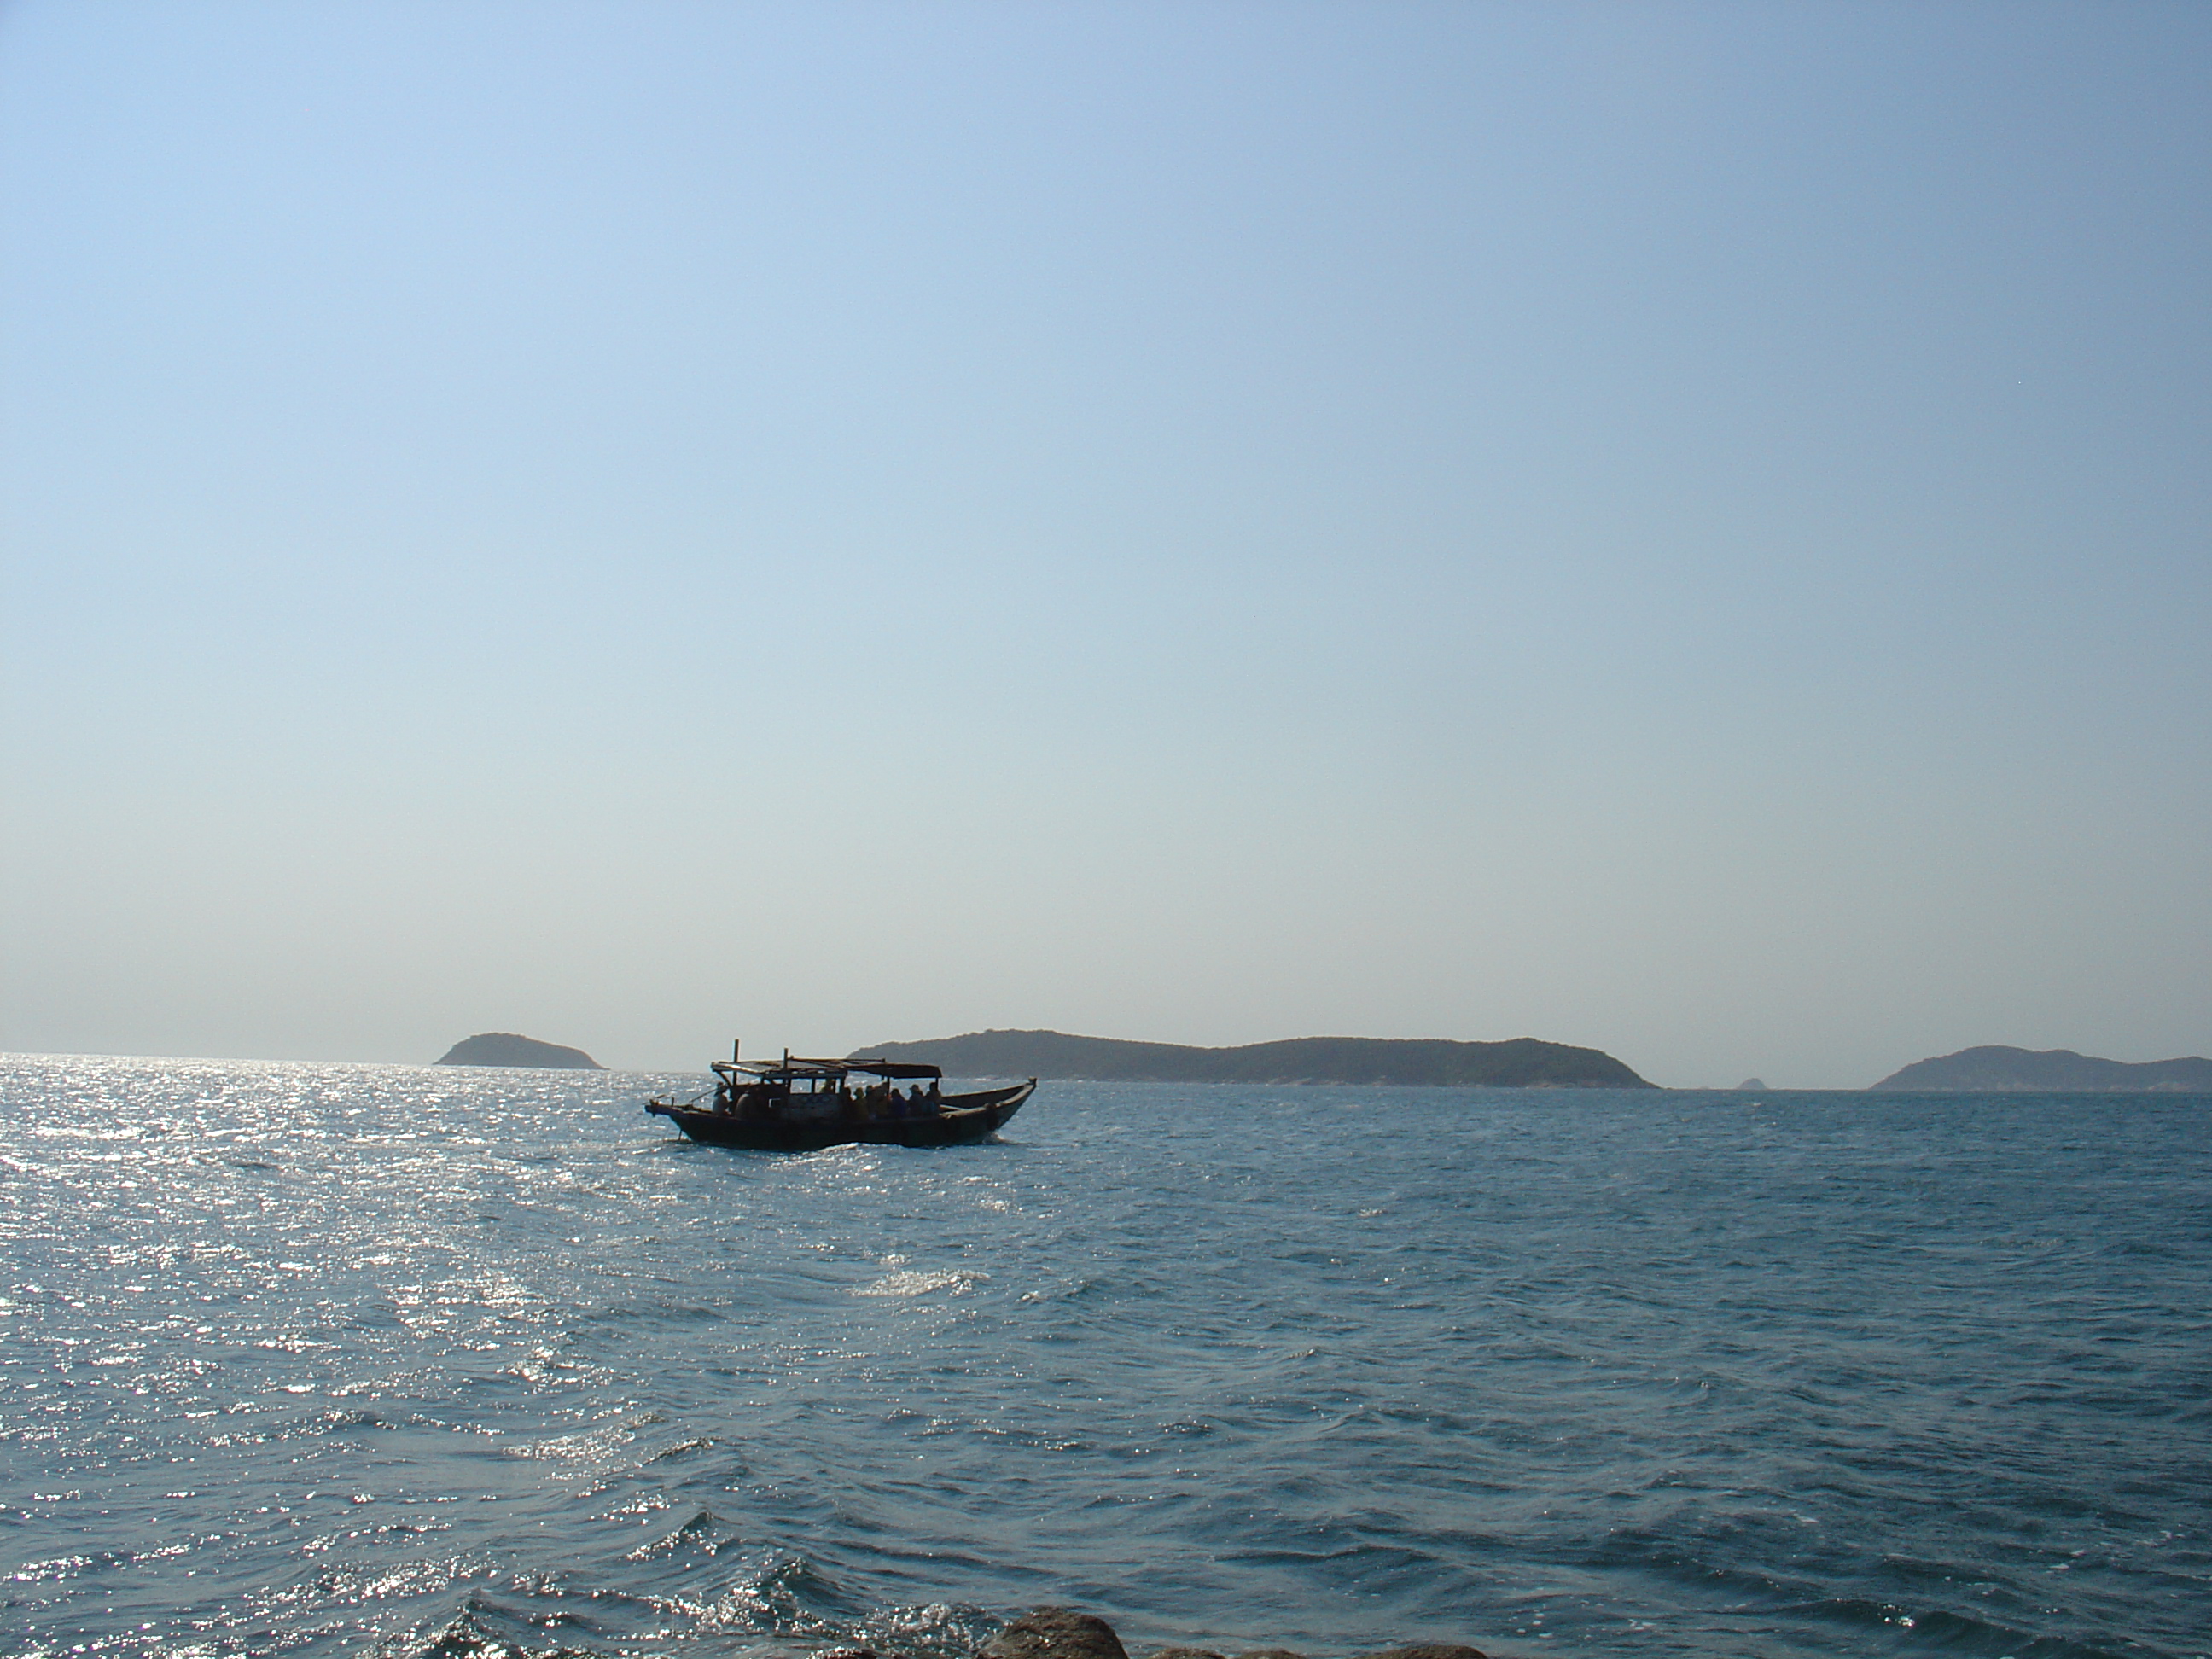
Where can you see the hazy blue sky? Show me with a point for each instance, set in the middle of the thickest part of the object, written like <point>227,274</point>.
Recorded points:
<point>1677,528</point>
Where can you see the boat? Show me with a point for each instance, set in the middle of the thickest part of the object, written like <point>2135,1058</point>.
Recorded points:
<point>794,1105</point>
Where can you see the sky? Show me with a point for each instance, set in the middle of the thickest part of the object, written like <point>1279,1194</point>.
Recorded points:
<point>1675,528</point>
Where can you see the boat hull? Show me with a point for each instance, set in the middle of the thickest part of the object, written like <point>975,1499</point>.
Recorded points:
<point>962,1118</point>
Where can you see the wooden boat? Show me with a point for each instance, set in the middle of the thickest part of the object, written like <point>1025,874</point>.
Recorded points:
<point>802,1105</point>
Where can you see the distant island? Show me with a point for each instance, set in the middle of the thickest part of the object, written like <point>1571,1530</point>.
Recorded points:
<point>505,1048</point>
<point>1522,1063</point>
<point>1996,1070</point>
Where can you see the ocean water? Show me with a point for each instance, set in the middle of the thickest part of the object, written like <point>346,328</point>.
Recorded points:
<point>327,1358</point>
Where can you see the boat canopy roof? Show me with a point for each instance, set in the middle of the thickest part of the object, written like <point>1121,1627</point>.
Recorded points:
<point>780,1069</point>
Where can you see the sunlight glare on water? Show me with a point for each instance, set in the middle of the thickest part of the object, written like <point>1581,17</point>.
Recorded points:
<point>300,1357</point>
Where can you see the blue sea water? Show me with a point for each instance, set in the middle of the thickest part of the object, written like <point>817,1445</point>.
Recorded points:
<point>303,1358</point>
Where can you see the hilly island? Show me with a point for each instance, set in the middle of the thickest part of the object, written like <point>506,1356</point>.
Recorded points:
<point>1521,1063</point>
<point>506,1048</point>
<point>1994,1069</point>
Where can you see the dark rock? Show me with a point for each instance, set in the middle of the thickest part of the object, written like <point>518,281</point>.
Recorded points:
<point>505,1048</point>
<point>1064,1633</point>
<point>1055,1633</point>
<point>848,1653</point>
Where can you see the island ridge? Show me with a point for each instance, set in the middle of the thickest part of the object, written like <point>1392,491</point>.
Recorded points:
<point>1999,1070</point>
<point>506,1048</point>
<point>1521,1063</point>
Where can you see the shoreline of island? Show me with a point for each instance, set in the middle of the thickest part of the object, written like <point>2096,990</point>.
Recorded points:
<point>1516,1063</point>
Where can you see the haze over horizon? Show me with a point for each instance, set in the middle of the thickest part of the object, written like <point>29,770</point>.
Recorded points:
<point>1675,530</point>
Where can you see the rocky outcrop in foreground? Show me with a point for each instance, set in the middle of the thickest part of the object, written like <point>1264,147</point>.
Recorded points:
<point>2001,1071</point>
<point>505,1048</point>
<point>1521,1063</point>
<point>1064,1633</point>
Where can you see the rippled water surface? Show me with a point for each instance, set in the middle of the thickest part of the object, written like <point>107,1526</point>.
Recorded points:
<point>295,1358</point>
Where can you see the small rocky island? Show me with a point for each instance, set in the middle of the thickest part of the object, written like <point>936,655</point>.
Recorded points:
<point>505,1048</point>
<point>1522,1063</point>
